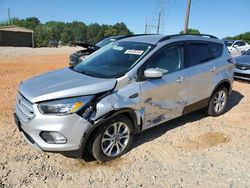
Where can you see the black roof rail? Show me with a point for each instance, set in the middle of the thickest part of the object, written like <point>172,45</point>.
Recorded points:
<point>135,35</point>
<point>180,35</point>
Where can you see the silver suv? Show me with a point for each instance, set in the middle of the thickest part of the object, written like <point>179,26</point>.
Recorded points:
<point>126,87</point>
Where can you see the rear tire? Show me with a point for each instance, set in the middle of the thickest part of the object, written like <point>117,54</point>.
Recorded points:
<point>112,139</point>
<point>218,102</point>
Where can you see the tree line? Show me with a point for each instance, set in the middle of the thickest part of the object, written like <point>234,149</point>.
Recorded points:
<point>66,32</point>
<point>243,36</point>
<point>79,31</point>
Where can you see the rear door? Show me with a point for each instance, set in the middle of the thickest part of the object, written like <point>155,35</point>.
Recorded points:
<point>200,72</point>
<point>243,46</point>
<point>164,98</point>
<point>239,46</point>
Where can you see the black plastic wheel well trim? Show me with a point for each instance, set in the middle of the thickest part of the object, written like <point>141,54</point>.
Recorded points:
<point>222,83</point>
<point>126,111</point>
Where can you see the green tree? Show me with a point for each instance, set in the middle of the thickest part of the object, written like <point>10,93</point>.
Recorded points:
<point>191,31</point>
<point>41,36</point>
<point>32,23</point>
<point>54,29</point>
<point>67,35</point>
<point>94,33</point>
<point>18,22</point>
<point>243,36</point>
<point>122,29</point>
<point>79,31</point>
<point>74,31</point>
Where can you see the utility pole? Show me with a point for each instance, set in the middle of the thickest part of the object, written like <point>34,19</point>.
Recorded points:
<point>146,25</point>
<point>9,16</point>
<point>187,16</point>
<point>159,22</point>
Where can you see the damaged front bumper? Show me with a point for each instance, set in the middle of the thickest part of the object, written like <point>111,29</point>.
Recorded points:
<point>41,130</point>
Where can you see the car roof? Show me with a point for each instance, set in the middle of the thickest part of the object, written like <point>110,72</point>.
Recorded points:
<point>150,39</point>
<point>157,38</point>
<point>115,37</point>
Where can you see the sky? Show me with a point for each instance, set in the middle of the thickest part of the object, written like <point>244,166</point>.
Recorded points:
<point>217,17</point>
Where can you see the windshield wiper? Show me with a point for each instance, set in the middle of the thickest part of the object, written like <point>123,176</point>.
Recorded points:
<point>82,72</point>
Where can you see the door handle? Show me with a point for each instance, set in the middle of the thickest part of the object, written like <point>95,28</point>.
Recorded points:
<point>180,79</point>
<point>213,69</point>
<point>134,96</point>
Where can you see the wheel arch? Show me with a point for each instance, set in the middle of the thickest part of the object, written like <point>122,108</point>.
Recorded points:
<point>226,83</point>
<point>130,113</point>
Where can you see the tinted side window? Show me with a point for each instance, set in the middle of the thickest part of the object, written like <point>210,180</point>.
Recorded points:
<point>242,43</point>
<point>198,53</point>
<point>215,49</point>
<point>236,43</point>
<point>168,59</point>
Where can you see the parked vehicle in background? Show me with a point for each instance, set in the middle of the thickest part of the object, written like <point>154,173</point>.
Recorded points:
<point>124,88</point>
<point>53,43</point>
<point>236,47</point>
<point>78,56</point>
<point>242,69</point>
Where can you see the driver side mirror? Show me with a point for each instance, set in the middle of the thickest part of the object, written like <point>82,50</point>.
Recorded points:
<point>235,46</point>
<point>153,73</point>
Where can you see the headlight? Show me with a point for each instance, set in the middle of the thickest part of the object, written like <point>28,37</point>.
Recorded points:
<point>64,106</point>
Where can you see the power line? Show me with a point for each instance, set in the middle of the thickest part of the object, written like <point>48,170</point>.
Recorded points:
<point>156,23</point>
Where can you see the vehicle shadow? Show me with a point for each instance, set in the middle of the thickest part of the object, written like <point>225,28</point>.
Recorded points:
<point>155,132</point>
<point>234,100</point>
<point>241,81</point>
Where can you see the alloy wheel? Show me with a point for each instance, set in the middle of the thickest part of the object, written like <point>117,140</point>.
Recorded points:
<point>219,101</point>
<point>115,139</point>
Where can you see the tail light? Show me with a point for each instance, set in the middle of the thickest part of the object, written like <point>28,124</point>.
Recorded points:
<point>232,61</point>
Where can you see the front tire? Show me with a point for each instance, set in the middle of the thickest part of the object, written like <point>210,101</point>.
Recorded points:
<point>218,102</point>
<point>112,139</point>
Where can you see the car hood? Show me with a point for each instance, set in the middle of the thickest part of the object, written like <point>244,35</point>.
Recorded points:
<point>86,45</point>
<point>62,84</point>
<point>243,60</point>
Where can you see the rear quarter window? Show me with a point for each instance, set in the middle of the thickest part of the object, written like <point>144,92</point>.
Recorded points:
<point>198,53</point>
<point>215,50</point>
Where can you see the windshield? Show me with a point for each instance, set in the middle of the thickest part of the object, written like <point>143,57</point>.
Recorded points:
<point>113,60</point>
<point>105,42</point>
<point>229,43</point>
<point>247,52</point>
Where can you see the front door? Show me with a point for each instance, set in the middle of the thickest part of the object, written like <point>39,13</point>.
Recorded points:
<point>164,98</point>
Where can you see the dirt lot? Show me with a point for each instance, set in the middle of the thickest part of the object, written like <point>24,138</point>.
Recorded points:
<point>191,151</point>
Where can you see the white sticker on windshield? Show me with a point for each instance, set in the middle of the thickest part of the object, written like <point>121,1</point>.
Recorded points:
<point>134,52</point>
<point>119,48</point>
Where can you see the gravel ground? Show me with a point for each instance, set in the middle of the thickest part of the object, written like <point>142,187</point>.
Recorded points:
<point>10,52</point>
<point>191,151</point>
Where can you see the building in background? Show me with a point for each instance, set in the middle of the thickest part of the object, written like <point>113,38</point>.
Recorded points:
<point>16,36</point>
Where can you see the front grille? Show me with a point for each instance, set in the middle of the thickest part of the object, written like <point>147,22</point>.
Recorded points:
<point>242,75</point>
<point>242,67</point>
<point>24,109</point>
